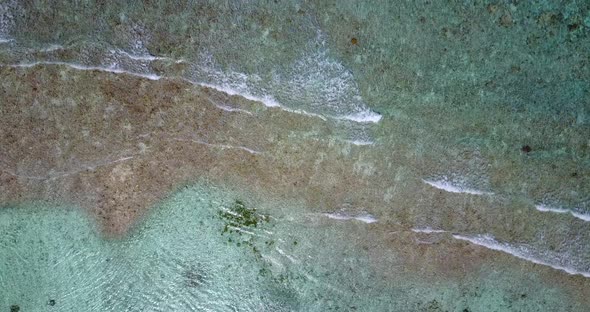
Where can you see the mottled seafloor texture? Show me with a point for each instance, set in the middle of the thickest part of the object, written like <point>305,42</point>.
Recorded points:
<point>295,156</point>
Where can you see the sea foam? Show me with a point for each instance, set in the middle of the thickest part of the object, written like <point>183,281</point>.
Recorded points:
<point>268,101</point>
<point>445,185</point>
<point>427,230</point>
<point>113,69</point>
<point>316,91</point>
<point>362,117</point>
<point>148,58</point>
<point>366,218</point>
<point>524,252</point>
<point>360,142</point>
<point>581,216</point>
<point>314,85</point>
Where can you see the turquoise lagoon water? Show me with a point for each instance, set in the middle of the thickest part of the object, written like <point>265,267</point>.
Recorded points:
<point>484,98</point>
<point>183,258</point>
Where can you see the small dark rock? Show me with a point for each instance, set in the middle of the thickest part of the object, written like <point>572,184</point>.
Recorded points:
<point>433,306</point>
<point>506,20</point>
<point>573,27</point>
<point>14,308</point>
<point>526,149</point>
<point>51,302</point>
<point>523,296</point>
<point>574,174</point>
<point>550,19</point>
<point>492,8</point>
<point>515,68</point>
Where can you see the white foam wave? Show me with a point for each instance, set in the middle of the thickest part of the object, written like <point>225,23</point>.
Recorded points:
<point>366,218</point>
<point>578,215</point>
<point>54,175</point>
<point>5,40</point>
<point>113,70</point>
<point>232,110</point>
<point>268,101</point>
<point>362,117</point>
<point>51,48</point>
<point>139,57</point>
<point>323,85</point>
<point>523,252</point>
<point>221,146</point>
<point>286,255</point>
<point>303,112</point>
<point>581,216</point>
<point>447,186</point>
<point>315,85</point>
<point>240,90</point>
<point>427,230</point>
<point>360,142</point>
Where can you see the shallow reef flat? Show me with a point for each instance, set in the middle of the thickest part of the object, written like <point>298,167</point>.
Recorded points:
<point>295,156</point>
<point>129,158</point>
<point>203,249</point>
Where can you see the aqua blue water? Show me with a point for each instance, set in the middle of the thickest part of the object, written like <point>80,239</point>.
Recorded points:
<point>483,99</point>
<point>181,259</point>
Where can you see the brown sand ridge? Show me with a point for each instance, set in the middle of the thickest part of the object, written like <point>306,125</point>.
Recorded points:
<point>116,144</point>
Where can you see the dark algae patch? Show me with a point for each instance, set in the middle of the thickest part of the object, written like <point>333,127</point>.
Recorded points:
<point>239,216</point>
<point>142,156</point>
<point>194,276</point>
<point>240,224</point>
<point>239,220</point>
<point>526,149</point>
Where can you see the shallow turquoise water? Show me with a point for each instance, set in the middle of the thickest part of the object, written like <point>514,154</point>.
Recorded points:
<point>180,259</point>
<point>488,99</point>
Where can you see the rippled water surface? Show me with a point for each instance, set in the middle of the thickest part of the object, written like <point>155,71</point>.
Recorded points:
<point>295,156</point>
